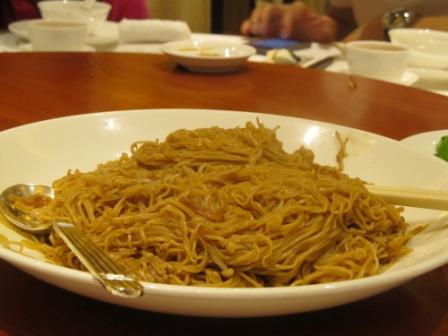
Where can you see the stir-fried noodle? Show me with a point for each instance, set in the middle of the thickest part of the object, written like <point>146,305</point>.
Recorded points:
<point>227,207</point>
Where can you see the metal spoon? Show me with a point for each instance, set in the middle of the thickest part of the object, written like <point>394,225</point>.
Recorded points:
<point>98,263</point>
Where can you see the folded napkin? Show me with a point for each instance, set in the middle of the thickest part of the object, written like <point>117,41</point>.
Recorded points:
<point>132,31</point>
<point>305,58</point>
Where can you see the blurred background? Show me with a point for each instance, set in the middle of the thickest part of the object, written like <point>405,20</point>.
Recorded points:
<point>214,16</point>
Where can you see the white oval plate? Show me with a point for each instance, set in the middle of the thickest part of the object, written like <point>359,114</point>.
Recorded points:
<point>208,56</point>
<point>105,34</point>
<point>425,142</point>
<point>44,151</point>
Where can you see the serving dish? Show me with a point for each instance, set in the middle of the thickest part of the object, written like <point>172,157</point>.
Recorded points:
<point>31,154</point>
<point>208,56</point>
<point>425,142</point>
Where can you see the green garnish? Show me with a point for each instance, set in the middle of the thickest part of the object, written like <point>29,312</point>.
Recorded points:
<point>442,148</point>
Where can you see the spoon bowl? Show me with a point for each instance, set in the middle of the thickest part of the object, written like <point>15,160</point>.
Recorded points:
<point>96,261</point>
<point>24,220</point>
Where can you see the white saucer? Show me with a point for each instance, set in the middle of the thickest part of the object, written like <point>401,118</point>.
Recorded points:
<point>28,47</point>
<point>208,56</point>
<point>425,142</point>
<point>433,78</point>
<point>409,77</point>
<point>105,34</point>
<point>20,28</point>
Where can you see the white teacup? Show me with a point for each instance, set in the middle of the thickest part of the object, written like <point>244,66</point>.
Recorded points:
<point>377,59</point>
<point>57,35</point>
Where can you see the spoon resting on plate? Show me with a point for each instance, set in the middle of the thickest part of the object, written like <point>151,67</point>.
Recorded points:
<point>97,262</point>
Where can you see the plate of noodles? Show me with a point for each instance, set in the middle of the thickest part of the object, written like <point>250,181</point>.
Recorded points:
<point>224,213</point>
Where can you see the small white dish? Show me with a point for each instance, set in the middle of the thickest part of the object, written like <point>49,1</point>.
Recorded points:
<point>28,47</point>
<point>31,154</point>
<point>425,142</point>
<point>106,33</point>
<point>208,56</point>
<point>231,39</point>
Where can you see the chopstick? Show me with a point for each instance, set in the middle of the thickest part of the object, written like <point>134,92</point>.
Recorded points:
<point>413,197</point>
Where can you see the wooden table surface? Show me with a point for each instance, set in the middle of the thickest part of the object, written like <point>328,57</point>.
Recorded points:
<point>38,86</point>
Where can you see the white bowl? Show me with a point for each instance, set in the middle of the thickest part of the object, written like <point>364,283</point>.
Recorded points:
<point>424,40</point>
<point>208,56</point>
<point>74,10</point>
<point>44,151</point>
<point>429,48</point>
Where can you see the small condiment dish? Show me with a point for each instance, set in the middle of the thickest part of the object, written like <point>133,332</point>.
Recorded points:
<point>208,56</point>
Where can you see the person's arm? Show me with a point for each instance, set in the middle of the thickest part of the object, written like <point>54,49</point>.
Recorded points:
<point>296,21</point>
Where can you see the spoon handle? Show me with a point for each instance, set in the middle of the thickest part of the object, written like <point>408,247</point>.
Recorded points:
<point>98,263</point>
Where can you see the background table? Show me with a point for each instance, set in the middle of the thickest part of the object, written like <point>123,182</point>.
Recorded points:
<point>38,86</point>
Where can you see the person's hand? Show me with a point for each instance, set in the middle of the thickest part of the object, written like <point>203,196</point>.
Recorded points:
<point>294,21</point>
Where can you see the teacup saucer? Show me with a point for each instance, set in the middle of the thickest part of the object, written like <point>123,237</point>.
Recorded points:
<point>28,47</point>
<point>433,78</point>
<point>409,77</point>
<point>20,28</point>
<point>105,34</point>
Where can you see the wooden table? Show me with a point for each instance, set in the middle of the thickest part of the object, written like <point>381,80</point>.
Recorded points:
<point>37,86</point>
